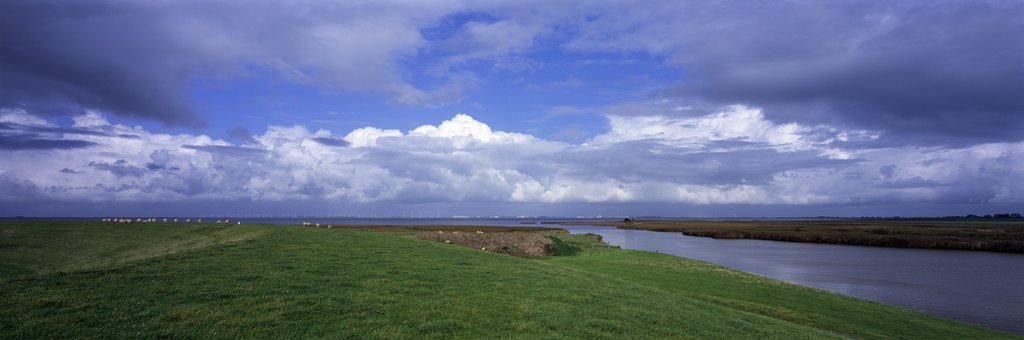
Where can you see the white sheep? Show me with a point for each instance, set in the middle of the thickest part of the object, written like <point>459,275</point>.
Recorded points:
<point>318,225</point>
<point>447,242</point>
<point>219,221</point>
<point>479,232</point>
<point>165,220</point>
<point>227,221</point>
<point>175,220</point>
<point>199,220</point>
<point>329,226</point>
<point>189,220</point>
<point>239,222</point>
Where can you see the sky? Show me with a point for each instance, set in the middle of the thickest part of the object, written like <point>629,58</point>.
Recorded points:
<point>481,108</point>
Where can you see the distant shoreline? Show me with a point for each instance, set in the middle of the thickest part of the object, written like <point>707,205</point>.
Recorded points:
<point>995,235</point>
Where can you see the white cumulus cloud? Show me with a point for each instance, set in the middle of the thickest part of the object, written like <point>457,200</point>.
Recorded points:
<point>732,156</point>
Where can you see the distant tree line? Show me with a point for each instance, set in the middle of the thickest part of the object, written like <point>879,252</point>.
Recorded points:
<point>1011,215</point>
<point>1007,216</point>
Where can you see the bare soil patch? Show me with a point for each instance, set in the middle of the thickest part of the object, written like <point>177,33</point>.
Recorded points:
<point>515,244</point>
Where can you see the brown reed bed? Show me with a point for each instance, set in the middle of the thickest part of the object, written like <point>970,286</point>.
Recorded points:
<point>981,235</point>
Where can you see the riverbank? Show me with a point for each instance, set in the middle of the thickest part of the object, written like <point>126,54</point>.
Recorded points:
<point>997,236</point>
<point>282,281</point>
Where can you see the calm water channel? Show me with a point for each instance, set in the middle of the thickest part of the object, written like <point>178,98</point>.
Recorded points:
<point>976,287</point>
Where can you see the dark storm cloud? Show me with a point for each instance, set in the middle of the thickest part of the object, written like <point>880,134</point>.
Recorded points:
<point>227,150</point>
<point>638,161</point>
<point>887,171</point>
<point>62,130</point>
<point>332,141</point>
<point>239,134</point>
<point>34,142</point>
<point>14,187</point>
<point>137,59</point>
<point>161,160</point>
<point>914,182</point>
<point>925,72</point>
<point>120,168</point>
<point>59,56</point>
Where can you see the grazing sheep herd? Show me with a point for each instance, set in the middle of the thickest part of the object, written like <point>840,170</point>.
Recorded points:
<point>315,225</point>
<point>153,220</point>
<point>125,220</point>
<point>228,221</point>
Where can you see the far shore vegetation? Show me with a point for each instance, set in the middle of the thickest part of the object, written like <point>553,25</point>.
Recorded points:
<point>999,233</point>
<point>173,280</point>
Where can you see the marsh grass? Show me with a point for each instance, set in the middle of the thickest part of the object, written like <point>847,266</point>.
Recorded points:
<point>996,235</point>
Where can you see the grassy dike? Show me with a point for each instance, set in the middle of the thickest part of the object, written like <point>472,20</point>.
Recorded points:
<point>290,282</point>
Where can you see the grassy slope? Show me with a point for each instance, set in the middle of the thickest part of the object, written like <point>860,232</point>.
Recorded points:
<point>756,294</point>
<point>46,247</point>
<point>297,282</point>
<point>415,229</point>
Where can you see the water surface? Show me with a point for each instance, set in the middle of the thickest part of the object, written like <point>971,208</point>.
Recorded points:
<point>981,288</point>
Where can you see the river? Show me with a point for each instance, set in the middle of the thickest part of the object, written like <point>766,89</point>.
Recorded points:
<point>981,288</point>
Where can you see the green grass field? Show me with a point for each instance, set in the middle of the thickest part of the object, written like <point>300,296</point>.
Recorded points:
<point>92,280</point>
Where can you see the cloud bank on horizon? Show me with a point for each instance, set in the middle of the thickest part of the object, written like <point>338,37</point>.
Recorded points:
<point>909,105</point>
<point>729,157</point>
